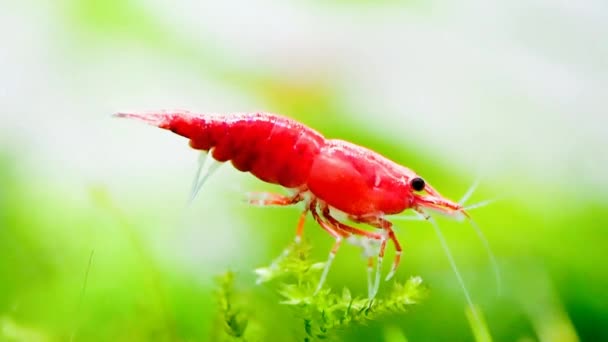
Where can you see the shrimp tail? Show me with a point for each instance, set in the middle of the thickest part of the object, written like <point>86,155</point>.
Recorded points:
<point>162,120</point>
<point>194,127</point>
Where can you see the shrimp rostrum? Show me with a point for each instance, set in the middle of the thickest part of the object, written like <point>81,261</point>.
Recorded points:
<point>329,175</point>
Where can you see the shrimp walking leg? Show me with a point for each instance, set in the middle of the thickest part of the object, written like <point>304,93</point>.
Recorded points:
<point>359,232</point>
<point>336,233</point>
<point>297,240</point>
<point>349,229</point>
<point>299,230</point>
<point>370,284</point>
<point>387,227</point>
<point>268,199</point>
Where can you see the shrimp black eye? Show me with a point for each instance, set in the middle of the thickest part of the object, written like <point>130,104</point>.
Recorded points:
<point>417,184</point>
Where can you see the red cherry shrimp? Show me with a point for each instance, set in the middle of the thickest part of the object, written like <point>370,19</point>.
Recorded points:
<point>328,175</point>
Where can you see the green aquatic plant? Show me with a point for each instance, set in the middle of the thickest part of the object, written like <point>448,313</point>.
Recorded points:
<point>322,314</point>
<point>233,320</point>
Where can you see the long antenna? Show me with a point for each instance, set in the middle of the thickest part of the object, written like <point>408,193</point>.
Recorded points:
<point>479,232</point>
<point>469,192</point>
<point>491,255</point>
<point>448,254</point>
<point>480,204</point>
<point>82,290</point>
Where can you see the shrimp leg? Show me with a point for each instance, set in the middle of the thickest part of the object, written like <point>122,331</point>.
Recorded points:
<point>387,226</point>
<point>268,199</point>
<point>355,231</point>
<point>336,233</point>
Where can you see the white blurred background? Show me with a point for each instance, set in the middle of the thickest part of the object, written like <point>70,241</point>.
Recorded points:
<point>495,88</point>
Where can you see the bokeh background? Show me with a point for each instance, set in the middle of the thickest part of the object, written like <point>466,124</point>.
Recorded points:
<point>512,93</point>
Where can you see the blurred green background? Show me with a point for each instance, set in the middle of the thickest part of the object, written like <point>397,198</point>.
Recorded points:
<point>511,93</point>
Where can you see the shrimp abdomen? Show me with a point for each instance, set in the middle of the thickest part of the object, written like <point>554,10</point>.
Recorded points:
<point>273,148</point>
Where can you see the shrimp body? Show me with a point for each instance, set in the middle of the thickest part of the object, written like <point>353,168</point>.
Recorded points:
<point>358,181</point>
<point>336,175</point>
<point>282,151</point>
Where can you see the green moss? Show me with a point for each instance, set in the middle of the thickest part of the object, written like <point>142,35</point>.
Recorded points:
<point>322,315</point>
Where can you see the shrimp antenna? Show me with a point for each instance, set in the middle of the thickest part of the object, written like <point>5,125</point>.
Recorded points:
<point>467,195</point>
<point>82,292</point>
<point>480,204</point>
<point>448,254</point>
<point>206,167</point>
<point>491,255</point>
<point>479,232</point>
<point>408,218</point>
